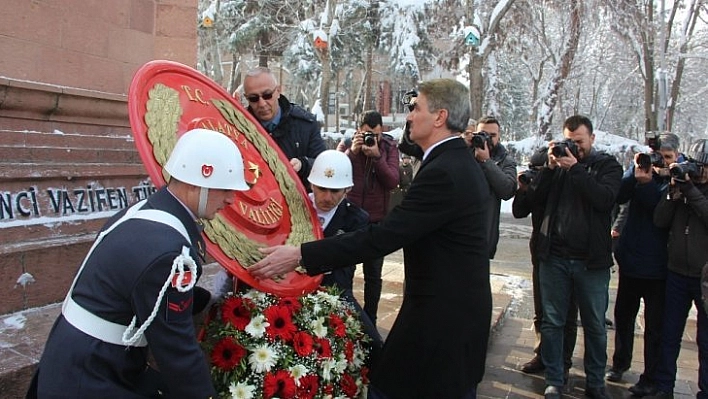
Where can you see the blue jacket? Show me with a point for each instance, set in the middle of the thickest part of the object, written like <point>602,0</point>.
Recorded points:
<point>641,250</point>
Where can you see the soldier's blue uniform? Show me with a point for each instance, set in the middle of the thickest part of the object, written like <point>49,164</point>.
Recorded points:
<point>122,278</point>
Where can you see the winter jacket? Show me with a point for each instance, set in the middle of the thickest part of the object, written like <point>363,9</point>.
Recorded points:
<point>641,250</point>
<point>374,178</point>
<point>578,206</point>
<point>298,136</point>
<point>687,221</point>
<point>500,172</point>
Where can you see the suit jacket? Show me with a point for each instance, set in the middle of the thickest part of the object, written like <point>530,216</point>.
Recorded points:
<point>438,343</point>
<point>122,278</point>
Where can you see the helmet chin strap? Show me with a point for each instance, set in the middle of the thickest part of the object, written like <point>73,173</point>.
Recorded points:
<point>203,199</point>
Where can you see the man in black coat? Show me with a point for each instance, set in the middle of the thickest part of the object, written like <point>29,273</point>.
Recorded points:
<point>438,343</point>
<point>577,190</point>
<point>295,130</point>
<point>143,266</point>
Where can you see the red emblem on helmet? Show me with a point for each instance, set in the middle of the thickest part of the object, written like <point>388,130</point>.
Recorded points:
<point>207,170</point>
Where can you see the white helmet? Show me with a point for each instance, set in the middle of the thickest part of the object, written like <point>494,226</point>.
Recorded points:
<point>331,169</point>
<point>207,159</point>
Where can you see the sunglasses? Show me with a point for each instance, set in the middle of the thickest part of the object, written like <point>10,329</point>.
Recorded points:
<point>254,98</point>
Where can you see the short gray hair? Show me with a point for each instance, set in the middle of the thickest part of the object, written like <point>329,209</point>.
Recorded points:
<point>452,96</point>
<point>259,70</point>
<point>669,141</point>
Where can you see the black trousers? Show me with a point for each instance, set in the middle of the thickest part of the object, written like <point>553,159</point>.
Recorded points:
<point>629,292</point>
<point>372,287</point>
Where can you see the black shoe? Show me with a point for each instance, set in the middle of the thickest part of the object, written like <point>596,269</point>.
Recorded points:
<point>552,392</point>
<point>614,375</point>
<point>533,366</point>
<point>643,388</point>
<point>597,393</point>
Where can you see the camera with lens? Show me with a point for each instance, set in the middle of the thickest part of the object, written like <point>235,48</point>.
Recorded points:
<point>527,176</point>
<point>646,160</point>
<point>690,167</point>
<point>559,147</point>
<point>369,139</point>
<point>479,138</point>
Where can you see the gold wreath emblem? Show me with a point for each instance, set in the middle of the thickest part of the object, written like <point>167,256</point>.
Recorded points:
<point>162,117</point>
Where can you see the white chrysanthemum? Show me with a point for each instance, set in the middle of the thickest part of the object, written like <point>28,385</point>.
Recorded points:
<point>352,325</point>
<point>327,367</point>
<point>257,326</point>
<point>341,364</point>
<point>298,371</point>
<point>256,296</point>
<point>241,390</point>
<point>262,359</point>
<point>318,327</point>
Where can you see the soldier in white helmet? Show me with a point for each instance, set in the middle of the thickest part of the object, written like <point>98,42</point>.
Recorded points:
<point>134,293</point>
<point>331,179</point>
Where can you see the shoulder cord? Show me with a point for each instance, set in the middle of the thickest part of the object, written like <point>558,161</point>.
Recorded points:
<point>177,271</point>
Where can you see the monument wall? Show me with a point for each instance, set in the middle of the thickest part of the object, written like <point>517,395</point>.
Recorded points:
<point>67,157</point>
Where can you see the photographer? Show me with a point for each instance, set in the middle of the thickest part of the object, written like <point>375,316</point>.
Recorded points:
<point>577,190</point>
<point>641,255</point>
<point>374,158</point>
<point>499,169</point>
<point>684,211</point>
<point>522,207</point>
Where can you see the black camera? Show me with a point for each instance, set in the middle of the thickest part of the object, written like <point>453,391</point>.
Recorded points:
<point>690,167</point>
<point>369,139</point>
<point>559,147</point>
<point>479,138</point>
<point>651,139</point>
<point>527,176</point>
<point>646,160</point>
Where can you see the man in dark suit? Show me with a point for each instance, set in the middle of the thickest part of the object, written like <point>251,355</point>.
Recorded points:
<point>438,343</point>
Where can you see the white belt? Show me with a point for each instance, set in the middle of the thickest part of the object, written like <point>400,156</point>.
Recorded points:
<point>88,322</point>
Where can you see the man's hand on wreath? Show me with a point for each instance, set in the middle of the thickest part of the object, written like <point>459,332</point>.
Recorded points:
<point>279,260</point>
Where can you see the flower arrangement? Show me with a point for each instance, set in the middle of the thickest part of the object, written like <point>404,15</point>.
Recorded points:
<point>263,346</point>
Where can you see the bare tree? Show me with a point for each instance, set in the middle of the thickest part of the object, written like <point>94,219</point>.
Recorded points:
<point>550,98</point>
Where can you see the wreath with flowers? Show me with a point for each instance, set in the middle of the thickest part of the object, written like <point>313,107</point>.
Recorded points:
<point>264,346</point>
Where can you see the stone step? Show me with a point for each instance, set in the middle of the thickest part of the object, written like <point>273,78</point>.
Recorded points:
<point>12,138</point>
<point>68,170</point>
<point>76,155</point>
